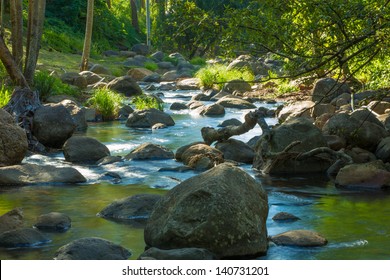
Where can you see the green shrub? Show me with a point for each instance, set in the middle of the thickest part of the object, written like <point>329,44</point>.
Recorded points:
<point>376,75</point>
<point>151,66</point>
<point>106,102</point>
<point>172,60</point>
<point>198,61</point>
<point>143,102</point>
<point>47,84</point>
<point>286,87</point>
<point>217,75</point>
<point>5,95</point>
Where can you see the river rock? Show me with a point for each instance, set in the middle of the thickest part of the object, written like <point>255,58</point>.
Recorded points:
<point>169,76</point>
<point>177,254</point>
<point>126,85</point>
<point>181,150</point>
<point>74,79</point>
<point>294,129</point>
<point>360,155</point>
<point>211,110</point>
<point>91,77</point>
<point>11,220</point>
<point>223,210</point>
<point>301,238</point>
<point>13,142</point>
<point>27,174</point>
<point>109,160</point>
<point>135,208</point>
<point>201,157</point>
<point>147,118</point>
<point>188,84</point>
<point>326,89</point>
<point>141,49</point>
<point>383,150</point>
<point>24,237</point>
<point>84,149</point>
<point>139,74</point>
<point>321,109</point>
<point>5,117</point>
<point>379,107</point>
<point>236,103</point>
<point>364,134</point>
<point>92,248</point>
<point>237,85</point>
<point>296,109</point>
<point>236,150</point>
<point>78,114</point>
<point>53,125</point>
<point>100,69</point>
<point>364,115</point>
<point>364,175</point>
<point>53,221</point>
<point>230,122</point>
<point>177,106</point>
<point>285,217</point>
<point>148,151</point>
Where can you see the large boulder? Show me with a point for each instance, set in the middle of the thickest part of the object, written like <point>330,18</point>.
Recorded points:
<point>11,220</point>
<point>84,149</point>
<point>295,109</point>
<point>372,175</point>
<point>189,84</point>
<point>126,85</point>
<point>53,221</point>
<point>147,118</point>
<point>27,174</point>
<point>236,103</point>
<point>211,110</point>
<point>53,125</point>
<point>379,107</point>
<point>92,248</point>
<point>294,129</point>
<point>383,150</point>
<point>326,89</point>
<point>177,254</point>
<point>141,49</point>
<point>13,141</point>
<point>148,151</point>
<point>21,238</point>
<point>74,79</point>
<point>78,114</point>
<point>223,210</point>
<point>364,133</point>
<point>236,150</point>
<point>133,208</point>
<point>301,238</point>
<point>91,77</point>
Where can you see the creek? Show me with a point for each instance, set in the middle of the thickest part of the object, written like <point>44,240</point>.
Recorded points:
<point>355,222</point>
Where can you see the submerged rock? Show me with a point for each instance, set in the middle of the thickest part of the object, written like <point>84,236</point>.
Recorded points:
<point>25,237</point>
<point>133,208</point>
<point>285,217</point>
<point>27,174</point>
<point>301,238</point>
<point>53,221</point>
<point>236,150</point>
<point>11,220</point>
<point>92,248</point>
<point>223,210</point>
<point>177,254</point>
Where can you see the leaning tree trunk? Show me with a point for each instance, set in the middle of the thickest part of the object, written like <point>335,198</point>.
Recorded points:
<point>88,36</point>
<point>36,17</point>
<point>134,15</point>
<point>16,11</point>
<point>9,63</point>
<point>2,13</point>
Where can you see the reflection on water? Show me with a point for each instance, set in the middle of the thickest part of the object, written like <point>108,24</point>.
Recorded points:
<point>354,222</point>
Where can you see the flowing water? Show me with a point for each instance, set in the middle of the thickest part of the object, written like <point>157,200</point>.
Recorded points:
<point>356,223</point>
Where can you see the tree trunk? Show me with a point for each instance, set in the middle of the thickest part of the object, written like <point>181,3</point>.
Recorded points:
<point>9,63</point>
<point>2,13</point>
<point>88,36</point>
<point>36,17</point>
<point>108,3</point>
<point>16,12</point>
<point>134,15</point>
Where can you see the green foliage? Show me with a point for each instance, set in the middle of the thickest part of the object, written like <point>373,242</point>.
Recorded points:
<point>172,60</point>
<point>151,66</point>
<point>143,102</point>
<point>48,84</point>
<point>377,75</point>
<point>198,61</point>
<point>5,95</point>
<point>217,75</point>
<point>106,102</point>
<point>284,86</point>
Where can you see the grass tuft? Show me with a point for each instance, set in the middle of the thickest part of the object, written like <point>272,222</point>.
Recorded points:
<point>106,102</point>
